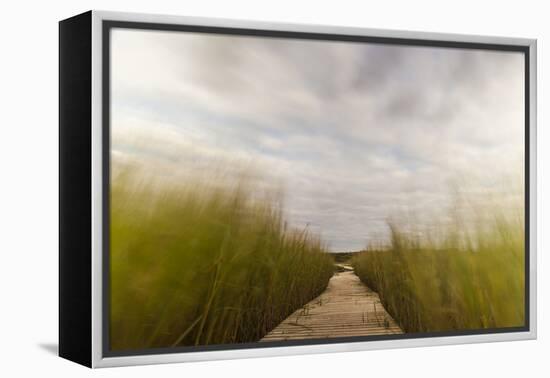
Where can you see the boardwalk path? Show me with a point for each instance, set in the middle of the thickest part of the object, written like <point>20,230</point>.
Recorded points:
<point>346,308</point>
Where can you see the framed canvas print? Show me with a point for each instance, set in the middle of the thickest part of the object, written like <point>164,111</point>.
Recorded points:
<point>235,189</point>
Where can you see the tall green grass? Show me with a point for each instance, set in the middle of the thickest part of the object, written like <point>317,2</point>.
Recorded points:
<point>198,264</point>
<point>453,280</point>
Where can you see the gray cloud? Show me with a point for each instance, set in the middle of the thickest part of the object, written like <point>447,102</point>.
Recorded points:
<point>355,132</point>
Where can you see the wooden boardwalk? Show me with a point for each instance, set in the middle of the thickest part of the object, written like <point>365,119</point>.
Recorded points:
<point>346,308</point>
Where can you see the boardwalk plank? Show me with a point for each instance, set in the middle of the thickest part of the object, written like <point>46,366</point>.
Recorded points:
<point>346,308</point>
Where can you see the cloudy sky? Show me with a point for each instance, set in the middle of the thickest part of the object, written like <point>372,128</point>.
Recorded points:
<point>353,133</point>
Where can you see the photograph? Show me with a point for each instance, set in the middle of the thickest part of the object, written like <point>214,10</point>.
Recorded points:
<point>270,189</point>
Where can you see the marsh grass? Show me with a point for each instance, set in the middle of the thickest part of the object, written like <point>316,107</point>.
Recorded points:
<point>197,264</point>
<point>451,279</point>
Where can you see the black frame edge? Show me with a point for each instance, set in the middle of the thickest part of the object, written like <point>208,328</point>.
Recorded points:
<point>75,194</point>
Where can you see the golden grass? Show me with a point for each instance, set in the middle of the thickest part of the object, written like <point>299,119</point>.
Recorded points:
<point>464,281</point>
<point>199,264</point>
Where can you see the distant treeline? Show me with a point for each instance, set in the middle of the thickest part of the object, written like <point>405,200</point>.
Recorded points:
<point>343,257</point>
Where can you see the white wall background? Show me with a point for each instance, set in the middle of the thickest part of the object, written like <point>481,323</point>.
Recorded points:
<point>28,198</point>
